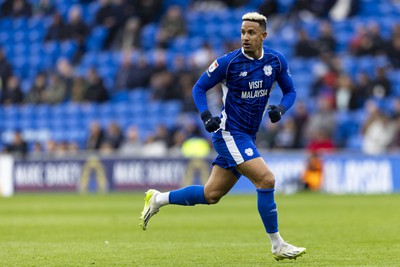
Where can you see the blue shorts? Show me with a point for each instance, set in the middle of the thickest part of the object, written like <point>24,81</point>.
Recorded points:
<point>233,148</point>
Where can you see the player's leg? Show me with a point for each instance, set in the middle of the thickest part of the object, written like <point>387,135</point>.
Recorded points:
<point>220,182</point>
<point>261,176</point>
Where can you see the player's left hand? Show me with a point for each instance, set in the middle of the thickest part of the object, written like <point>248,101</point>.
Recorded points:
<point>275,113</point>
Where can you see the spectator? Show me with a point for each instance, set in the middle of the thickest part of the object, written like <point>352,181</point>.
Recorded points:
<point>131,75</point>
<point>62,149</point>
<point>393,51</point>
<point>19,146</point>
<point>6,8</point>
<point>44,8</point>
<point>363,85</point>
<point>395,108</point>
<point>186,84</point>
<point>56,90</point>
<point>156,145</point>
<point>76,27</point>
<point>361,44</point>
<point>106,149</point>
<point>320,8</point>
<point>21,8</point>
<point>5,69</point>
<point>325,73</point>
<point>286,137</point>
<point>79,87</point>
<point>95,92</point>
<point>77,30</point>
<point>269,8</point>
<point>172,25</point>
<point>51,147</point>
<point>381,85</point>
<point>322,121</point>
<point>130,37</point>
<point>346,94</point>
<point>300,118</point>
<point>141,75</point>
<point>178,138</point>
<point>73,148</point>
<point>396,139</point>
<point>179,66</point>
<point>57,30</point>
<point>378,43</point>
<point>96,137</point>
<point>320,141</point>
<point>154,148</point>
<point>304,46</point>
<point>65,71</point>
<point>164,87</point>
<point>110,17</point>
<point>37,93</point>
<point>162,81</point>
<point>203,57</point>
<point>150,10</point>
<point>12,93</point>
<point>37,149</point>
<point>266,137</point>
<point>326,42</point>
<point>131,145</point>
<point>125,72</point>
<point>114,135</point>
<point>378,131</point>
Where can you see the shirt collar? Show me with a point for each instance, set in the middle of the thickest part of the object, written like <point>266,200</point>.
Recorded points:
<point>262,54</point>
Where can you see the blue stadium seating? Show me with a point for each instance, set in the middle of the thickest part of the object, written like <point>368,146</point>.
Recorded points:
<point>22,41</point>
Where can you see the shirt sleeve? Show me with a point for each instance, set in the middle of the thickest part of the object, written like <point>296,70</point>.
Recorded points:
<point>212,76</point>
<point>285,82</point>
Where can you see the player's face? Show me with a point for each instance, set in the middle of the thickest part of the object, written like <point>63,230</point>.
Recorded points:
<point>252,38</point>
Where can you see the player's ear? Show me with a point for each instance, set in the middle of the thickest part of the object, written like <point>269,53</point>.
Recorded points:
<point>264,35</point>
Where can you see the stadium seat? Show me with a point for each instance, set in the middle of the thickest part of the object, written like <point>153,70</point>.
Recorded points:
<point>96,38</point>
<point>139,95</point>
<point>120,96</point>
<point>148,34</point>
<point>20,24</point>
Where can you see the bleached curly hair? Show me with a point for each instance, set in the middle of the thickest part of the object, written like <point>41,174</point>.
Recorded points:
<point>256,17</point>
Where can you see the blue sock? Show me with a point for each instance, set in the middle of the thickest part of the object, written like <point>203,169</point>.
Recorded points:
<point>188,196</point>
<point>267,209</point>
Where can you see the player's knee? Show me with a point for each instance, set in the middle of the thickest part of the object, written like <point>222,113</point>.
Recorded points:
<point>212,197</point>
<point>267,180</point>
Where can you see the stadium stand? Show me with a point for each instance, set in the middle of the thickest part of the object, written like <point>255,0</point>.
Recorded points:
<point>22,40</point>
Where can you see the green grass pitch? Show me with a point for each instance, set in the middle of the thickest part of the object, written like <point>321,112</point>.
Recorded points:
<point>103,230</point>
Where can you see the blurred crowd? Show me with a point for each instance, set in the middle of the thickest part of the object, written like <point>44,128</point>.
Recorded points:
<point>312,123</point>
<point>187,140</point>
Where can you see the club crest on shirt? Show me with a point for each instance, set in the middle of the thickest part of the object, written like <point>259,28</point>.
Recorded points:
<point>267,70</point>
<point>249,152</point>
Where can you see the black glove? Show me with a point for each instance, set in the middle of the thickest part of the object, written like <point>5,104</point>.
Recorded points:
<point>211,123</point>
<point>275,112</point>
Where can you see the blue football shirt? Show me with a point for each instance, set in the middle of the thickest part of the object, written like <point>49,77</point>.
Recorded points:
<point>246,86</point>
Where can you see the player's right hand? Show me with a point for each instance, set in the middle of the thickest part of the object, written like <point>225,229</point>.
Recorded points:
<point>275,113</point>
<point>211,123</point>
